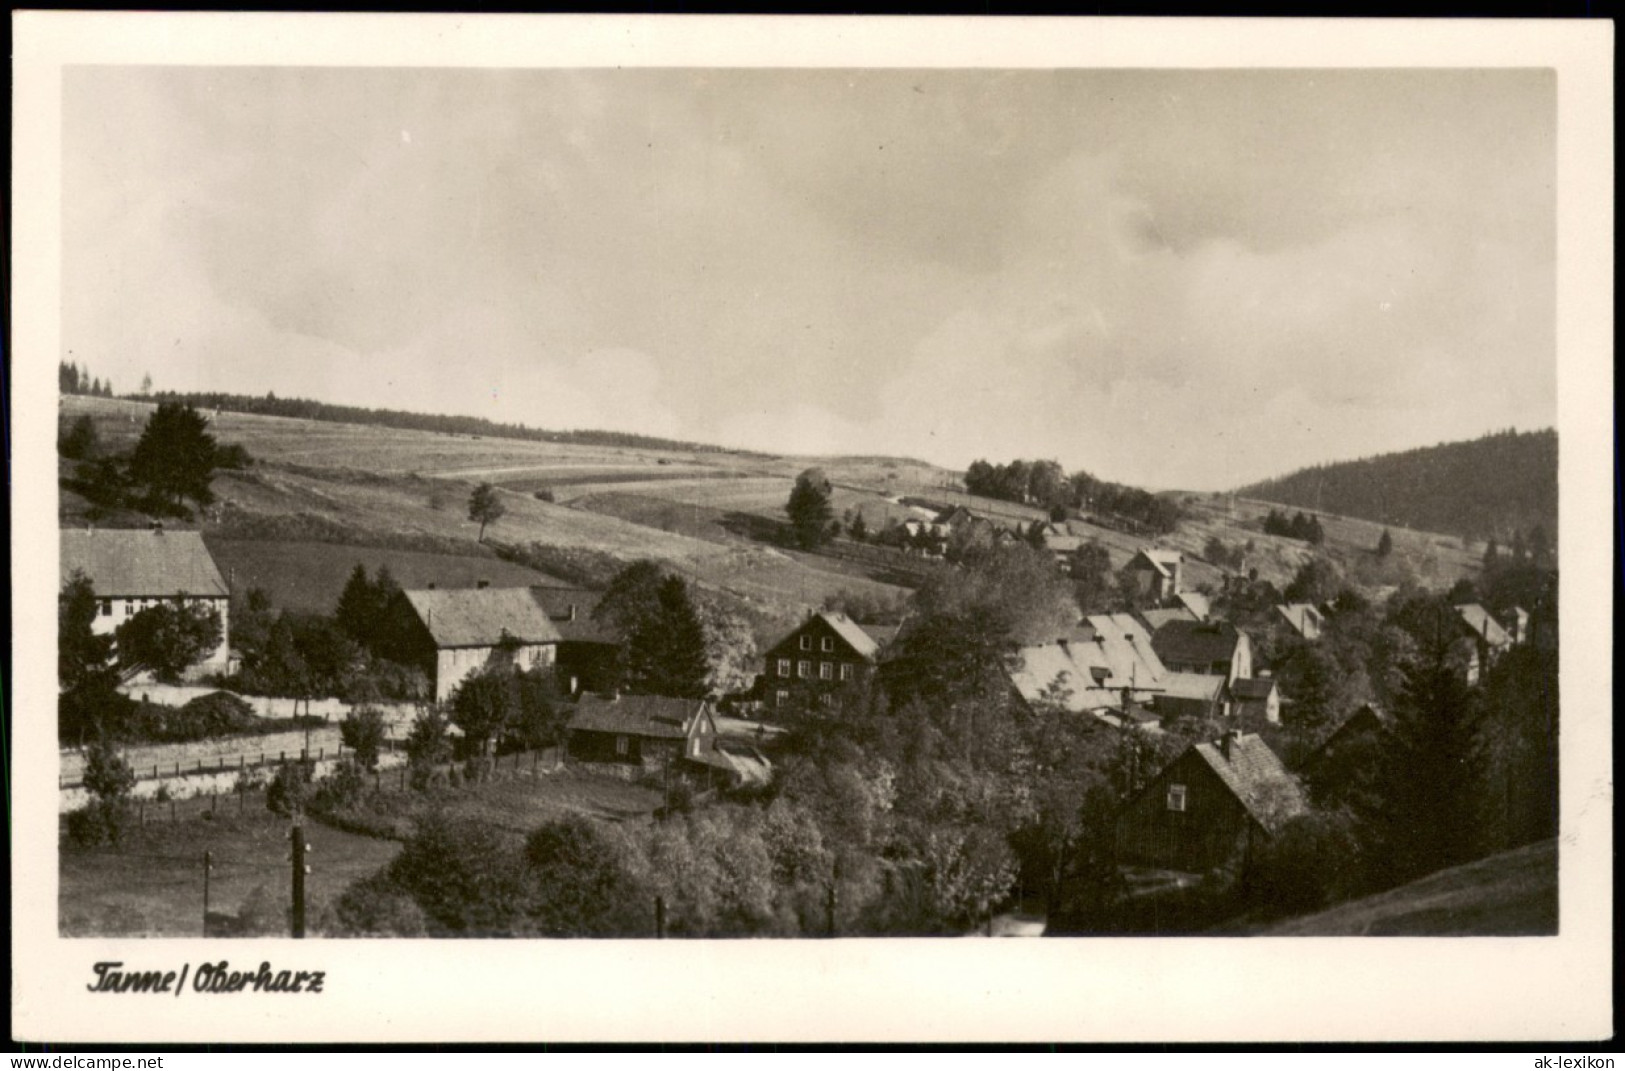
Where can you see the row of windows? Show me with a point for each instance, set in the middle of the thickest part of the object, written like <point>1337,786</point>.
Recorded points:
<point>828,643</point>
<point>135,606</point>
<point>826,670</point>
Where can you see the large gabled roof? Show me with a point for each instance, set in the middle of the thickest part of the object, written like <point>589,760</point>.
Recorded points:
<point>570,609</point>
<point>1111,653</point>
<point>1196,642</point>
<point>865,641</point>
<point>142,563</point>
<point>482,617</point>
<point>1255,776</point>
<point>637,715</point>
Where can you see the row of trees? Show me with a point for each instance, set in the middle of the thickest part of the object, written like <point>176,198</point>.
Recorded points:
<point>1298,526</point>
<point>1046,485</point>
<point>71,379</point>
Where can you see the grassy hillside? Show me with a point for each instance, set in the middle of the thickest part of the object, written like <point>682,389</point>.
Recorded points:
<point>407,491</point>
<point>305,575</point>
<point>1512,894</point>
<point>1486,488</point>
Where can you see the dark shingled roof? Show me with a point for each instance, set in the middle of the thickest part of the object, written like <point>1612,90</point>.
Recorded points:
<point>1195,642</point>
<point>1257,779</point>
<point>636,715</point>
<point>1252,687</point>
<point>479,617</point>
<point>142,563</point>
<point>557,603</point>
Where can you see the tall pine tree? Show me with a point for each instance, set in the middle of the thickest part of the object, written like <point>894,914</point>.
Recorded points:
<point>666,651</point>
<point>1429,800</point>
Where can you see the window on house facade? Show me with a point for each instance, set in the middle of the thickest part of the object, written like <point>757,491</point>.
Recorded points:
<point>806,643</point>
<point>804,668</point>
<point>782,697</point>
<point>784,667</point>
<point>1176,798</point>
<point>828,644</point>
<point>622,745</point>
<point>846,671</point>
<point>826,671</point>
<point>107,607</point>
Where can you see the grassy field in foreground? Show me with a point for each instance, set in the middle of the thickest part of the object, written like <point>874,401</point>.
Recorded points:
<point>152,884</point>
<point>309,576</point>
<point>1512,894</point>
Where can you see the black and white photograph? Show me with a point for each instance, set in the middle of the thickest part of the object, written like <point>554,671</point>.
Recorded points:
<point>966,512</point>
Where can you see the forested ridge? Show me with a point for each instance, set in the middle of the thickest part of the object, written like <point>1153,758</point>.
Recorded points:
<point>1494,487</point>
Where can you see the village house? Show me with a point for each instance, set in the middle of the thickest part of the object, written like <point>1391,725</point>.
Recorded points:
<point>452,634</point>
<point>1489,640</point>
<point>1211,807</point>
<point>1106,668</point>
<point>1254,699</point>
<point>136,569</point>
<point>588,654</point>
<point>1300,619</point>
<point>829,652</point>
<point>1215,648</point>
<point>638,736</point>
<point>1191,695</point>
<point>1157,572</point>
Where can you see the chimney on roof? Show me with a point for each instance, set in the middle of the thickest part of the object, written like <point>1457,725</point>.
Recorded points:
<point>481,584</point>
<point>431,585</point>
<point>1227,742</point>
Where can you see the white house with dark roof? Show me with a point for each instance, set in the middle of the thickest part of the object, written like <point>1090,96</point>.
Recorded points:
<point>460,632</point>
<point>1303,619</point>
<point>1158,572</point>
<point>135,569</point>
<point>1490,640</point>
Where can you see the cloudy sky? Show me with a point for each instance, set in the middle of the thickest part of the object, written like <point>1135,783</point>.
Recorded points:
<point>1170,278</point>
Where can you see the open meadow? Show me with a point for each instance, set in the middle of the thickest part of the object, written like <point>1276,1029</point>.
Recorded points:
<point>152,884</point>
<point>406,491</point>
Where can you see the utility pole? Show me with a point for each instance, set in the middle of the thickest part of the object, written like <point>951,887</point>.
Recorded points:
<point>208,865</point>
<point>300,869</point>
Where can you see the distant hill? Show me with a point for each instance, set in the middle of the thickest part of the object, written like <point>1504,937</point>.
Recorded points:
<point>305,409</point>
<point>1496,487</point>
